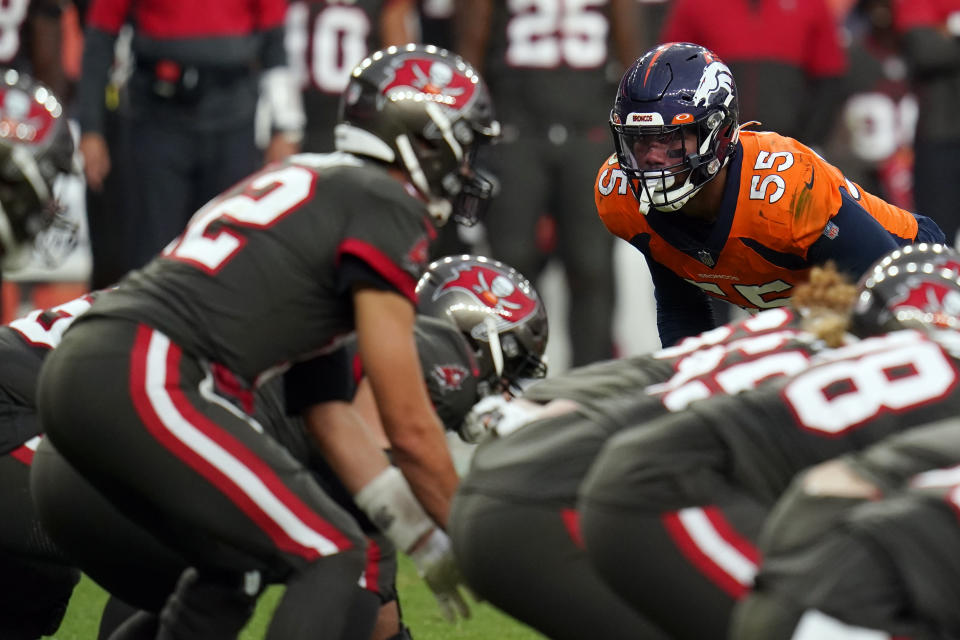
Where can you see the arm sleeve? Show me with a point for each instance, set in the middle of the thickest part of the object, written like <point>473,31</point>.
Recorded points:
<point>322,379</point>
<point>682,309</point>
<point>355,272</point>
<point>97,58</point>
<point>273,54</point>
<point>859,240</point>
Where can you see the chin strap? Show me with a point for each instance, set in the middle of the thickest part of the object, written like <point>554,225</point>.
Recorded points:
<point>496,351</point>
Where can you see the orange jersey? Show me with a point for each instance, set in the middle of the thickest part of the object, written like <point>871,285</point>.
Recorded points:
<point>779,199</point>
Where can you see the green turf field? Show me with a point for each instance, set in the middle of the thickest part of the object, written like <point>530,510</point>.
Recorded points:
<point>419,610</point>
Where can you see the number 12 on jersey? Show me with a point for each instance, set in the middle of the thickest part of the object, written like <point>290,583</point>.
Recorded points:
<point>209,243</point>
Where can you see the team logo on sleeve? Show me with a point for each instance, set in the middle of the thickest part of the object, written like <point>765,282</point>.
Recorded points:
<point>449,377</point>
<point>493,291</point>
<point>437,79</point>
<point>418,255</point>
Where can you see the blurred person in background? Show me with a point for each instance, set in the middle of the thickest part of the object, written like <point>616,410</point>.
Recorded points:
<point>930,46</point>
<point>551,68</point>
<point>651,15</point>
<point>787,56</point>
<point>437,22</point>
<point>30,40</point>
<point>197,73</point>
<point>873,140</point>
<point>325,39</point>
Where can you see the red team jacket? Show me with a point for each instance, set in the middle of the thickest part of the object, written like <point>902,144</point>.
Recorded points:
<point>786,197</point>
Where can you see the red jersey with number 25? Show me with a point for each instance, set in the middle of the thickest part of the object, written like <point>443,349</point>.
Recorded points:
<point>786,196</point>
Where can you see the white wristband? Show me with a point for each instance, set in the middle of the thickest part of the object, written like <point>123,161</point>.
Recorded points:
<point>283,100</point>
<point>389,502</point>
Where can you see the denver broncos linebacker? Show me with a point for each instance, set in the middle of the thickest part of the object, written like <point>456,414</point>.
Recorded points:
<point>720,211</point>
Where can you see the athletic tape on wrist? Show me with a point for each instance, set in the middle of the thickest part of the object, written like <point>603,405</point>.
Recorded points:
<point>389,502</point>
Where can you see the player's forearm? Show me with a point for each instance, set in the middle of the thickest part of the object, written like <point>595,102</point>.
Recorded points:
<point>426,464</point>
<point>346,444</point>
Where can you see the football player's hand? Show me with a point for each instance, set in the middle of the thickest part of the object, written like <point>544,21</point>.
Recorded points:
<point>433,558</point>
<point>96,159</point>
<point>281,147</point>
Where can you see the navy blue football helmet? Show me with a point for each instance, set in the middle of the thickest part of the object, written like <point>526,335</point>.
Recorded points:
<point>674,122</point>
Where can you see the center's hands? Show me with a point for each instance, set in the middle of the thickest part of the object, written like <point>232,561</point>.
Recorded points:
<point>390,504</point>
<point>434,560</point>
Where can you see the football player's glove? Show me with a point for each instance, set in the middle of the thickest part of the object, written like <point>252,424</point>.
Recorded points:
<point>435,564</point>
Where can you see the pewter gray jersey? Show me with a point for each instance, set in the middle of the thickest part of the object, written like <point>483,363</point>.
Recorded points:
<point>257,279</point>
<point>547,459</point>
<point>852,397</point>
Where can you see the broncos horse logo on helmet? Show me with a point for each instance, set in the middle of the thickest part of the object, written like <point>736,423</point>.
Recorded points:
<point>683,96</point>
<point>498,311</point>
<point>427,112</point>
<point>35,148</point>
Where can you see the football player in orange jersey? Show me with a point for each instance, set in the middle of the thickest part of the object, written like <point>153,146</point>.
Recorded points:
<point>719,211</point>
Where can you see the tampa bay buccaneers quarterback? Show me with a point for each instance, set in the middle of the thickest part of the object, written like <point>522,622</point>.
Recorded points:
<point>274,271</point>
